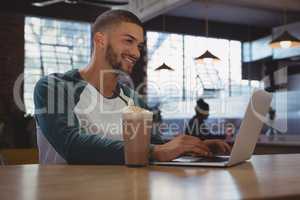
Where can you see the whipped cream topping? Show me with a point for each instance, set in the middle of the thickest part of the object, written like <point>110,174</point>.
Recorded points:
<point>131,108</point>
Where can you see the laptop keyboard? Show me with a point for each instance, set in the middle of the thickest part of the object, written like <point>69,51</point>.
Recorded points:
<point>201,159</point>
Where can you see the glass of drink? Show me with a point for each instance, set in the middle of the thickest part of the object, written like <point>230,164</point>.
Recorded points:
<point>137,127</point>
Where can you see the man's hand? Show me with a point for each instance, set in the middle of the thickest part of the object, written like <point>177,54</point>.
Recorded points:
<point>180,145</point>
<point>218,146</point>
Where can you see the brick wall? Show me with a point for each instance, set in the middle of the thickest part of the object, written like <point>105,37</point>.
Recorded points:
<point>11,66</point>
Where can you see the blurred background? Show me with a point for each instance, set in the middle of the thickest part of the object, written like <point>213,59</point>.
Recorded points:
<point>243,38</point>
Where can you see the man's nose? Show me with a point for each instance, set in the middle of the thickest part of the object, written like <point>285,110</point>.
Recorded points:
<point>136,52</point>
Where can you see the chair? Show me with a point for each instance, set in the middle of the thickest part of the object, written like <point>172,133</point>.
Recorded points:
<point>18,156</point>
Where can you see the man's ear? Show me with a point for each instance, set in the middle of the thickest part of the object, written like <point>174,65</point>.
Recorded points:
<point>99,40</point>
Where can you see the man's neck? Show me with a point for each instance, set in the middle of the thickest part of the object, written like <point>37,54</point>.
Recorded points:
<point>103,80</point>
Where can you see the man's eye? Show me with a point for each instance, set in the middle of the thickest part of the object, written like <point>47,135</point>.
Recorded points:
<point>129,41</point>
<point>141,48</point>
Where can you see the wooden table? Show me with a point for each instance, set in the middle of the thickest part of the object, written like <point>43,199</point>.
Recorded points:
<point>280,144</point>
<point>266,176</point>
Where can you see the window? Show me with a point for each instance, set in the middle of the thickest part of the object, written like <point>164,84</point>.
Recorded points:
<point>52,46</point>
<point>163,47</point>
<point>177,91</point>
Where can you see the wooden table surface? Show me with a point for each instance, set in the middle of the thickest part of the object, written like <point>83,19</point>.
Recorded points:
<point>266,176</point>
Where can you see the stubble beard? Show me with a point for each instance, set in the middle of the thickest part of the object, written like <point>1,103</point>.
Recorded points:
<point>112,59</point>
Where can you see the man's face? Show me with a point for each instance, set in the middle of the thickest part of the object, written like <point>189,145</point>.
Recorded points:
<point>125,43</point>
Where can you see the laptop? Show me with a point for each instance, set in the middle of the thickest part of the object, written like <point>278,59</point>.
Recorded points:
<point>245,140</point>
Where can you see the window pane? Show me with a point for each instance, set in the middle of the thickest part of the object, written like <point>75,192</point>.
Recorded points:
<point>52,46</point>
<point>176,91</point>
<point>164,85</point>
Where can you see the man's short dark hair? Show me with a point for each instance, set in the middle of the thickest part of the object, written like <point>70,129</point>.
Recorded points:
<point>114,17</point>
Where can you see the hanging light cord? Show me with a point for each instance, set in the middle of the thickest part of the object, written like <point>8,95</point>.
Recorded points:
<point>284,17</point>
<point>206,18</point>
<point>164,23</point>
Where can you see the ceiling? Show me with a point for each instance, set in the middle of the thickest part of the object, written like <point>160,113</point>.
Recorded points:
<point>80,12</point>
<point>261,13</point>
<point>257,13</point>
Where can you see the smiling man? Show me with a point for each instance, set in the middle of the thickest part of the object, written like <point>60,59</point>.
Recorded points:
<point>78,113</point>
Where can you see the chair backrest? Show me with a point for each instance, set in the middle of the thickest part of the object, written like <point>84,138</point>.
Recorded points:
<point>18,156</point>
<point>1,160</point>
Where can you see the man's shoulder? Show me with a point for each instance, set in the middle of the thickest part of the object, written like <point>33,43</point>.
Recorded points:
<point>58,87</point>
<point>69,76</point>
<point>60,83</point>
<point>61,79</point>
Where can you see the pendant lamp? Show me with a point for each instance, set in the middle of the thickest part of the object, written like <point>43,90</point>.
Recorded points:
<point>207,57</point>
<point>164,66</point>
<point>284,40</point>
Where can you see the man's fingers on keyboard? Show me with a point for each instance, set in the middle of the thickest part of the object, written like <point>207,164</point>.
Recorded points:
<point>199,150</point>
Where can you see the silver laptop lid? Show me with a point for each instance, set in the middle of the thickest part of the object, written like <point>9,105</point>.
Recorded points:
<point>251,126</point>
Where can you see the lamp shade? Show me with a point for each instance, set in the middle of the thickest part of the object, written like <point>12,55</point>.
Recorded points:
<point>164,66</point>
<point>285,40</point>
<point>207,57</point>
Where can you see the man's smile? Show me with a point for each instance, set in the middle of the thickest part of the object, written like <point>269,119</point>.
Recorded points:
<point>129,59</point>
